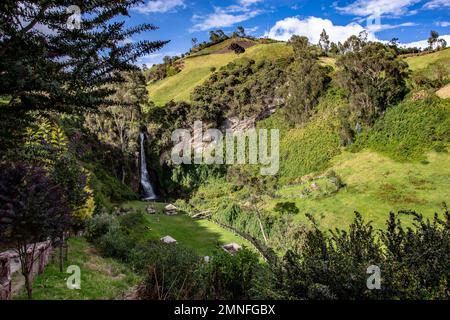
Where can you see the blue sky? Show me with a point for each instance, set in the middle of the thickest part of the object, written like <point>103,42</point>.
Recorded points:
<point>181,20</point>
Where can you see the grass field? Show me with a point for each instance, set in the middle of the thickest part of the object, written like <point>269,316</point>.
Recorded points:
<point>203,236</point>
<point>421,62</point>
<point>375,186</point>
<point>198,68</point>
<point>101,278</point>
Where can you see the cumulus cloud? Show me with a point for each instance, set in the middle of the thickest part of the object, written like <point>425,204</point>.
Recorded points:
<point>423,43</point>
<point>223,17</point>
<point>312,27</point>
<point>364,8</point>
<point>160,6</point>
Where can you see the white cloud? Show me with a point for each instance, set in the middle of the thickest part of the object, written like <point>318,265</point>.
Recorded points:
<point>443,24</point>
<point>247,3</point>
<point>155,58</point>
<point>381,27</point>
<point>160,6</point>
<point>223,17</point>
<point>312,27</point>
<point>423,43</point>
<point>220,19</point>
<point>251,31</point>
<point>364,8</point>
<point>435,4</point>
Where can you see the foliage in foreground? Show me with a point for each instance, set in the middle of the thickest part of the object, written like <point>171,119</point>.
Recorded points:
<point>324,265</point>
<point>33,209</point>
<point>414,262</point>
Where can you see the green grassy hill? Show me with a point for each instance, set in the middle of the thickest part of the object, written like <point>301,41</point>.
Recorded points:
<point>198,67</point>
<point>374,185</point>
<point>422,61</point>
<point>400,164</point>
<point>390,169</point>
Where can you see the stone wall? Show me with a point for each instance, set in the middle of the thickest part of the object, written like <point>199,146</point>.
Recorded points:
<point>5,277</point>
<point>8,265</point>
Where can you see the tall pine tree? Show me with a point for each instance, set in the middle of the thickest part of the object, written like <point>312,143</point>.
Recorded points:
<point>49,62</point>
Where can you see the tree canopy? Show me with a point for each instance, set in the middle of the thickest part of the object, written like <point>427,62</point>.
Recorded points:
<point>48,63</point>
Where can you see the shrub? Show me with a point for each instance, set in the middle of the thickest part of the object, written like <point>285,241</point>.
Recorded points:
<point>115,244</point>
<point>171,272</point>
<point>286,208</point>
<point>231,277</point>
<point>100,225</point>
<point>408,130</point>
<point>238,49</point>
<point>308,149</point>
<point>134,226</point>
<point>332,265</point>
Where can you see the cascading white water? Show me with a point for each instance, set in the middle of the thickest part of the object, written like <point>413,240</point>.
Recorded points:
<point>147,188</point>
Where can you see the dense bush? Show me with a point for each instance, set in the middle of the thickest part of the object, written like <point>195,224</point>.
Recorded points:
<point>117,236</point>
<point>116,244</point>
<point>100,225</point>
<point>107,188</point>
<point>172,272</point>
<point>413,261</point>
<point>134,225</point>
<point>242,88</point>
<point>231,277</point>
<point>373,76</point>
<point>408,130</point>
<point>308,149</point>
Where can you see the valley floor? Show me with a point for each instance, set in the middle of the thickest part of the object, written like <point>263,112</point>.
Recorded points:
<point>202,236</point>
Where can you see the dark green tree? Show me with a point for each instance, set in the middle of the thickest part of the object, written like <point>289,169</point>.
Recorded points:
<point>286,208</point>
<point>306,79</point>
<point>118,124</point>
<point>373,77</point>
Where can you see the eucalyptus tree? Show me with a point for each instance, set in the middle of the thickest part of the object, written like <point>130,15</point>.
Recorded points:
<point>373,77</point>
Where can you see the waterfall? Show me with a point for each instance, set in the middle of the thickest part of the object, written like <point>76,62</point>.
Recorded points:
<point>147,188</point>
